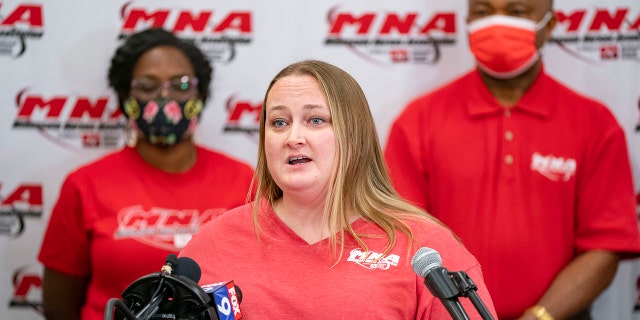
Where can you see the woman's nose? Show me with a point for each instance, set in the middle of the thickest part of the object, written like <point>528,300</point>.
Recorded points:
<point>296,135</point>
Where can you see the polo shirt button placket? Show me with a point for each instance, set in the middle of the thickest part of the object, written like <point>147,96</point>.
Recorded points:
<point>508,159</point>
<point>508,136</point>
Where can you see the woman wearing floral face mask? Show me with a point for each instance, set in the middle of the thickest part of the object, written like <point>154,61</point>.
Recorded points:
<point>533,176</point>
<point>118,218</point>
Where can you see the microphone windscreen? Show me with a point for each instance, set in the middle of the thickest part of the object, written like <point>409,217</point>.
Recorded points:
<point>424,260</point>
<point>171,260</point>
<point>189,268</point>
<point>238,292</point>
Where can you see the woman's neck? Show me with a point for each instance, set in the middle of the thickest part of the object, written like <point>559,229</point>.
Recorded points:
<point>304,218</point>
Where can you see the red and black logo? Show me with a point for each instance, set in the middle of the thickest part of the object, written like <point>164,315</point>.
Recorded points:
<point>599,34</point>
<point>27,290</point>
<point>25,201</point>
<point>386,37</point>
<point>72,121</point>
<point>217,32</point>
<point>243,116</point>
<point>17,25</point>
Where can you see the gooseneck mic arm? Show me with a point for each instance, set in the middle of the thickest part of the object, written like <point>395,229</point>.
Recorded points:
<point>438,282</point>
<point>447,286</point>
<point>428,264</point>
<point>468,289</point>
<point>120,306</point>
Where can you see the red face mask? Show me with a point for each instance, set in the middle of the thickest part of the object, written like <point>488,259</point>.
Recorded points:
<point>504,46</point>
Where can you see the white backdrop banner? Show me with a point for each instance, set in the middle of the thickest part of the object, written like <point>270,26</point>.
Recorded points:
<point>57,112</point>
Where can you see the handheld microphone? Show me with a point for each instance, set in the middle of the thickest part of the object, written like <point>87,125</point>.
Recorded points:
<point>427,263</point>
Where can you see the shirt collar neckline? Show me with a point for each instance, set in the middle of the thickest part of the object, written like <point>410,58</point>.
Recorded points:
<point>535,101</point>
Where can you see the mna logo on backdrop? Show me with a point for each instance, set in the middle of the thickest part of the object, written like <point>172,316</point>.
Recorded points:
<point>599,34</point>
<point>25,201</point>
<point>243,116</point>
<point>17,24</point>
<point>386,37</point>
<point>216,32</point>
<point>72,121</point>
<point>27,290</point>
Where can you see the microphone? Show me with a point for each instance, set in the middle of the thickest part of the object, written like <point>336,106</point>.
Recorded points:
<point>468,289</point>
<point>169,263</point>
<point>164,295</point>
<point>187,267</point>
<point>447,286</point>
<point>225,297</point>
<point>174,293</point>
<point>427,263</point>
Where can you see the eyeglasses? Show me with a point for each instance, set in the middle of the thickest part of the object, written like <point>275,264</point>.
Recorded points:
<point>178,88</point>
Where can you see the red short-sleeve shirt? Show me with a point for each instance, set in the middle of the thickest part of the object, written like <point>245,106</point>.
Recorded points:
<point>524,188</point>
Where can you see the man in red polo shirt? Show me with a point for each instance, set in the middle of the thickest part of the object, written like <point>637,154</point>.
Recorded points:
<point>533,177</point>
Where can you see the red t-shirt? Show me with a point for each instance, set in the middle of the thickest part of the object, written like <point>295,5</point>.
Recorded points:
<point>118,218</point>
<point>525,189</point>
<point>283,277</point>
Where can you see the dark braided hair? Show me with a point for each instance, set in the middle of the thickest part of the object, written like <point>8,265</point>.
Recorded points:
<point>127,55</point>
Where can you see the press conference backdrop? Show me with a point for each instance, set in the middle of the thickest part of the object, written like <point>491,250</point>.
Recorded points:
<point>57,112</point>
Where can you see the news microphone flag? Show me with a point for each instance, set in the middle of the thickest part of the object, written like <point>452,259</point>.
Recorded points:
<point>226,299</point>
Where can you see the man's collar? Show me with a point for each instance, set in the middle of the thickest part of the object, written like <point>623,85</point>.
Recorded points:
<point>536,101</point>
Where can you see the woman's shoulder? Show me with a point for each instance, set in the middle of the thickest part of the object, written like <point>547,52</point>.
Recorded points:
<point>231,220</point>
<point>424,226</point>
<point>437,236</point>
<point>228,228</point>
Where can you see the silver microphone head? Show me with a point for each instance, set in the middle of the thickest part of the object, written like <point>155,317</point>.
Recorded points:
<point>425,260</point>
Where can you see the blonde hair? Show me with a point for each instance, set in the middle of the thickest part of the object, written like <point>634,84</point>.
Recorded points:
<point>359,182</point>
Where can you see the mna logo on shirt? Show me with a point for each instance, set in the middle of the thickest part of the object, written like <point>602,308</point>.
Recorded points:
<point>554,168</point>
<point>373,260</point>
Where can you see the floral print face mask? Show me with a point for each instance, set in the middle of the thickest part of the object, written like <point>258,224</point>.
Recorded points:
<point>164,122</point>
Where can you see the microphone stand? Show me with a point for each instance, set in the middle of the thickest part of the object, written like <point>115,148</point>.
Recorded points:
<point>438,281</point>
<point>468,289</point>
<point>119,305</point>
<point>146,313</point>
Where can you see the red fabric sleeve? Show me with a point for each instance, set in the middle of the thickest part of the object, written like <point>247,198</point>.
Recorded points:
<point>606,203</point>
<point>66,241</point>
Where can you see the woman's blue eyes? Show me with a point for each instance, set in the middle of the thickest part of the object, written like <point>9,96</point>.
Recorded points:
<point>317,120</point>
<point>280,123</point>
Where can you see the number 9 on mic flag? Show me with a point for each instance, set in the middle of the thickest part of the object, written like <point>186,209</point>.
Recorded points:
<point>227,298</point>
